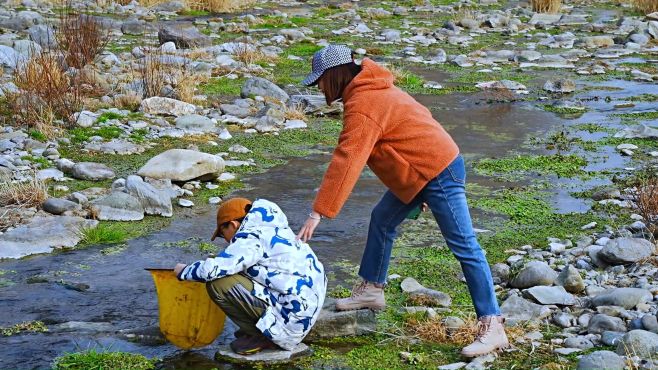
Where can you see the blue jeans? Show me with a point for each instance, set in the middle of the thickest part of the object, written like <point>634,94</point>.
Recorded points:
<point>446,197</point>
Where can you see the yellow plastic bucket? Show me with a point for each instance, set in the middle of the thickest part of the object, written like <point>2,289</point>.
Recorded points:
<point>188,317</point>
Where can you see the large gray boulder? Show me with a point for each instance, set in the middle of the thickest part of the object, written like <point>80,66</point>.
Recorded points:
<point>627,250</point>
<point>43,35</point>
<point>623,297</point>
<point>534,273</point>
<point>640,343</point>
<point>58,206</point>
<point>601,360</point>
<point>154,201</point>
<point>182,165</point>
<point>517,310</point>
<point>184,35</point>
<point>570,279</point>
<point>166,106</point>
<point>257,86</point>
<point>118,206</point>
<point>22,21</point>
<point>600,323</point>
<point>9,57</point>
<point>42,235</point>
<point>92,171</point>
<point>332,323</point>
<point>550,295</point>
<point>195,123</point>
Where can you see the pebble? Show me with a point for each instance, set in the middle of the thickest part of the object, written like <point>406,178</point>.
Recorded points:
<point>185,203</point>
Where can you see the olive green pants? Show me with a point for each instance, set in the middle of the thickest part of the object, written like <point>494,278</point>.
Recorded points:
<point>233,295</point>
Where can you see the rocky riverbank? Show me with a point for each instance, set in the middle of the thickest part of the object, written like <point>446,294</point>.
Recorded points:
<point>554,113</point>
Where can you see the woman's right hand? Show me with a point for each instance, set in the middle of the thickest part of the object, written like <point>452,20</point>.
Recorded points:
<point>311,223</point>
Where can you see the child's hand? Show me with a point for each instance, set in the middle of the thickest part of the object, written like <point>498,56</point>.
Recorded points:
<point>179,267</point>
<point>424,207</point>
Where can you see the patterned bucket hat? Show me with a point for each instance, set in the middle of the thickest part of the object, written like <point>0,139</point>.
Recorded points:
<point>329,57</point>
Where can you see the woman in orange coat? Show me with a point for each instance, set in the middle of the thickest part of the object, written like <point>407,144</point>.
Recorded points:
<point>418,161</point>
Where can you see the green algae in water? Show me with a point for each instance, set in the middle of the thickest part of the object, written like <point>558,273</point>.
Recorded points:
<point>92,359</point>
<point>27,326</point>
<point>560,165</point>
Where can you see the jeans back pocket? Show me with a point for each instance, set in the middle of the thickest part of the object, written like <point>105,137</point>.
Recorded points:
<point>458,170</point>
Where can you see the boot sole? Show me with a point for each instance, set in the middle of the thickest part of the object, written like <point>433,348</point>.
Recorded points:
<point>496,350</point>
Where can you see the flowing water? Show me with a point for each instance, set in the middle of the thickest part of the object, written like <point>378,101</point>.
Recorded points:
<point>113,290</point>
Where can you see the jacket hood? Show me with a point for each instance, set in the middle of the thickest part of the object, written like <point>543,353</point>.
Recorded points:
<point>264,213</point>
<point>372,77</point>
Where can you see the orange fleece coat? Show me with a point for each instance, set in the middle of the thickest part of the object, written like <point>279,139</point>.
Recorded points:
<point>390,131</point>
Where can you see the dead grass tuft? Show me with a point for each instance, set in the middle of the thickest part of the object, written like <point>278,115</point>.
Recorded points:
<point>645,6</point>
<point>31,193</point>
<point>81,37</point>
<point>250,55</point>
<point>295,111</point>
<point>213,6</point>
<point>45,93</point>
<point>645,198</point>
<point>128,101</point>
<point>434,330</point>
<point>546,6</point>
<point>503,95</point>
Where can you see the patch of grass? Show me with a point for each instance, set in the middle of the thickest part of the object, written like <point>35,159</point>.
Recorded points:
<point>37,135</point>
<point>642,98</point>
<point>27,326</point>
<point>564,110</point>
<point>40,161</point>
<point>194,13</point>
<point>339,291</point>
<point>106,116</point>
<point>560,165</point>
<point>111,232</point>
<point>303,49</point>
<point>519,205</point>
<point>92,359</point>
<point>222,86</point>
<point>592,128</point>
<point>290,71</point>
<point>139,135</point>
<point>636,116</point>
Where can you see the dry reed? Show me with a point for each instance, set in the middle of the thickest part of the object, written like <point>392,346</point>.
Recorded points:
<point>250,55</point>
<point>645,6</point>
<point>156,73</point>
<point>31,193</point>
<point>546,6</point>
<point>295,111</point>
<point>81,37</point>
<point>645,198</point>
<point>435,330</point>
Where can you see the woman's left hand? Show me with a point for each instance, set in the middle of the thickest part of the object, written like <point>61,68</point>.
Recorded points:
<point>307,230</point>
<point>179,267</point>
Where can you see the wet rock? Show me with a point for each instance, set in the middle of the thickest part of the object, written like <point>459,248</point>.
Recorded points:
<point>639,131</point>
<point>640,343</point>
<point>82,327</point>
<point>600,323</point>
<point>50,174</point>
<point>118,206</point>
<point>627,250</point>
<point>257,86</point>
<point>500,273</point>
<point>182,165</point>
<point>598,41</point>
<point>601,360</point>
<point>332,323</point>
<point>579,342</point>
<point>148,336</point>
<point>611,338</point>
<point>183,35</point>
<point>503,84</point>
<point>518,310</point>
<point>225,353</point>
<point>650,323</point>
<point>166,107</point>
<point>550,295</point>
<point>154,201</point>
<point>570,279</point>
<point>623,297</point>
<point>42,235</point>
<point>563,320</point>
<point>92,171</point>
<point>560,86</point>
<point>185,203</point>
<point>195,123</point>
<point>419,293</point>
<point>58,206</point>
<point>534,273</point>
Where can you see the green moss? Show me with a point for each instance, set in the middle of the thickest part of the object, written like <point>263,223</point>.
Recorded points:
<point>139,135</point>
<point>223,86</point>
<point>27,326</point>
<point>636,116</point>
<point>643,98</point>
<point>106,116</point>
<point>560,165</point>
<point>93,359</point>
<point>303,49</point>
<point>109,132</point>
<point>113,232</point>
<point>564,110</point>
<point>115,249</point>
<point>519,205</point>
<point>37,135</point>
<point>40,161</point>
<point>592,128</point>
<point>194,13</point>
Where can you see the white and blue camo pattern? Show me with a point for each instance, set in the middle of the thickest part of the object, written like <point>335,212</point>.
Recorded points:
<point>286,273</point>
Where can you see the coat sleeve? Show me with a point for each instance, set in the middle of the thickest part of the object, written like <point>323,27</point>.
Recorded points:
<point>356,141</point>
<point>245,251</point>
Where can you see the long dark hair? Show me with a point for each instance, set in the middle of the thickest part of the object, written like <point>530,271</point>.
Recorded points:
<point>334,80</point>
